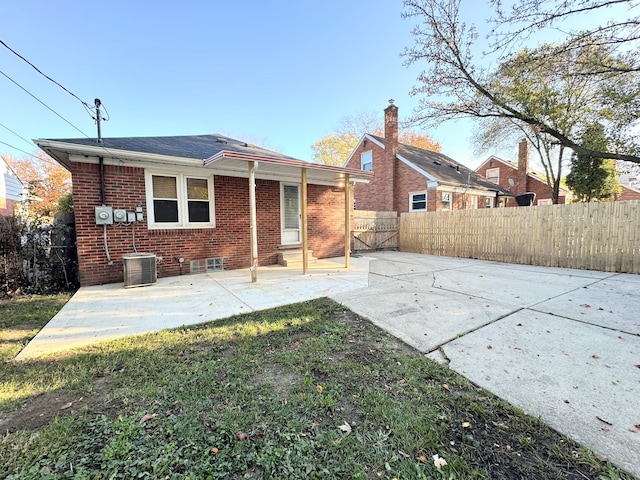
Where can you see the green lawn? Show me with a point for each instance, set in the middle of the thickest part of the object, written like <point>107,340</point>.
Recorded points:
<point>22,319</point>
<point>308,390</point>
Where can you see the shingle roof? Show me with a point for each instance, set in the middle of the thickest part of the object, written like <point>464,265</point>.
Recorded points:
<point>189,146</point>
<point>444,168</point>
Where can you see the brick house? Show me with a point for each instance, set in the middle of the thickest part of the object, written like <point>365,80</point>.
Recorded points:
<point>11,189</point>
<point>519,178</point>
<point>412,179</point>
<point>189,201</point>
<point>628,190</point>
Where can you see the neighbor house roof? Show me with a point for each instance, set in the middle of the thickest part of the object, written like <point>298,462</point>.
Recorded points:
<point>442,168</point>
<point>222,154</point>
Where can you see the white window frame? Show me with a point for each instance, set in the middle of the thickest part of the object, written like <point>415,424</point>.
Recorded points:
<point>363,163</point>
<point>449,201</point>
<point>183,204</point>
<point>411,201</point>
<point>489,202</point>
<point>545,201</point>
<point>489,177</point>
<point>474,202</point>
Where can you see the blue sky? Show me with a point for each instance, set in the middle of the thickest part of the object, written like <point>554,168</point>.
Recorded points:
<point>281,73</point>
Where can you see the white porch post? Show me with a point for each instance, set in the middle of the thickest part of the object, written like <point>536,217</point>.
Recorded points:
<point>252,221</point>
<point>347,215</point>
<point>303,212</point>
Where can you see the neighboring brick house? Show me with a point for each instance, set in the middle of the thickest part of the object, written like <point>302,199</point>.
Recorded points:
<point>412,179</point>
<point>628,189</point>
<point>11,189</point>
<point>519,178</point>
<point>187,199</point>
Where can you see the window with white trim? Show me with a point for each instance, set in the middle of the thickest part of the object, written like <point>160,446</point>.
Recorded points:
<point>366,160</point>
<point>493,175</point>
<point>418,201</point>
<point>179,201</point>
<point>474,202</point>
<point>446,201</point>
<point>545,201</point>
<point>488,202</point>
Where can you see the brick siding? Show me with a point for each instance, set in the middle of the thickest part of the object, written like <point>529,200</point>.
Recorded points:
<point>125,188</point>
<point>628,194</point>
<point>7,207</point>
<point>540,188</point>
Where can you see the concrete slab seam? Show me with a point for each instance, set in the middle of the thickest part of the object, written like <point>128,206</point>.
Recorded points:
<point>467,332</point>
<point>569,291</point>
<point>584,322</point>
<point>234,295</point>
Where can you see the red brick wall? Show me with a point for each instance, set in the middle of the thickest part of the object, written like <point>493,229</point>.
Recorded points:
<point>540,188</point>
<point>7,207</point>
<point>628,194</point>
<point>125,188</point>
<point>378,194</point>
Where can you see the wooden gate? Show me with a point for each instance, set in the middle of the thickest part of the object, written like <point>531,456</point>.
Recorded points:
<point>375,231</point>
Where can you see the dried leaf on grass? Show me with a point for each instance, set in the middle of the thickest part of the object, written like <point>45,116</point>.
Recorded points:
<point>346,428</point>
<point>439,462</point>
<point>148,416</point>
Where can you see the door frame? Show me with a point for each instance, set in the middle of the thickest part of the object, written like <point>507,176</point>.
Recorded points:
<point>290,232</point>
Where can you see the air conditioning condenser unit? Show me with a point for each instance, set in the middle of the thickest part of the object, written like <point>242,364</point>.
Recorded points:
<point>139,269</point>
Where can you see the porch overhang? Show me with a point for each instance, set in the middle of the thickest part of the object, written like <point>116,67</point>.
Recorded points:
<point>272,168</point>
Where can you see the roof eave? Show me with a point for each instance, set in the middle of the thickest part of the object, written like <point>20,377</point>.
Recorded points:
<point>60,151</point>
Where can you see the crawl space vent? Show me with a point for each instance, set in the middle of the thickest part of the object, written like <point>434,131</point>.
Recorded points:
<point>139,269</point>
<point>206,265</point>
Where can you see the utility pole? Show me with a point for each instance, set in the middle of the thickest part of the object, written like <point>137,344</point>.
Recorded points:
<point>98,103</point>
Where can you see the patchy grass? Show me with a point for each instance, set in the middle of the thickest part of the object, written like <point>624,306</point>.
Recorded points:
<point>309,390</point>
<point>22,318</point>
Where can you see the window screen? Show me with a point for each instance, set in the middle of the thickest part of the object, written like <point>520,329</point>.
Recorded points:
<point>165,199</point>
<point>198,199</point>
<point>291,206</point>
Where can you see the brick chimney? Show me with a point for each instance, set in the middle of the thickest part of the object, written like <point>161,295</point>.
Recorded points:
<point>391,149</point>
<point>522,184</point>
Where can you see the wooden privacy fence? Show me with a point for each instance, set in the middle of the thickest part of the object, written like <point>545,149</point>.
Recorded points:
<point>374,230</point>
<point>594,236</point>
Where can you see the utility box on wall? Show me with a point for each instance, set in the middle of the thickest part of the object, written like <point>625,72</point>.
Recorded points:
<point>139,269</point>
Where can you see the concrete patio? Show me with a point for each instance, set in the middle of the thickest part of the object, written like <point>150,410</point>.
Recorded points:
<point>561,344</point>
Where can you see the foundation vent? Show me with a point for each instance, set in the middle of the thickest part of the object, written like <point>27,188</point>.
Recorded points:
<point>206,265</point>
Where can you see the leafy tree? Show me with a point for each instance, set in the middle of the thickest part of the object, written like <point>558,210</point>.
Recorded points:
<point>335,148</point>
<point>455,83</point>
<point>46,180</point>
<point>546,90</point>
<point>593,178</point>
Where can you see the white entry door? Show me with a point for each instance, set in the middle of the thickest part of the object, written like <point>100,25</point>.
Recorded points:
<point>290,213</point>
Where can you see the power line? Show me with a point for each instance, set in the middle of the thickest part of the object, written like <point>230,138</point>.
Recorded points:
<point>20,150</point>
<point>86,105</point>
<point>16,134</point>
<point>44,104</point>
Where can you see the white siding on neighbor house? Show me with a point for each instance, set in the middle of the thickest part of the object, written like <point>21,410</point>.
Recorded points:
<point>10,186</point>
